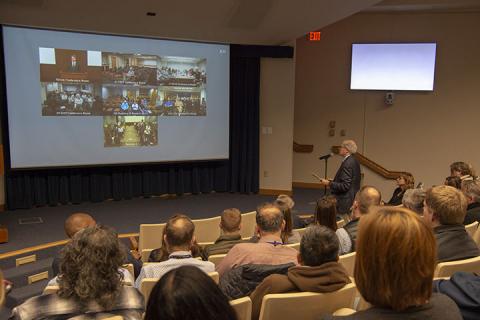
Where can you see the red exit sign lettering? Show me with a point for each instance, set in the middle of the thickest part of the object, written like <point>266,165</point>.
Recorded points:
<point>314,36</point>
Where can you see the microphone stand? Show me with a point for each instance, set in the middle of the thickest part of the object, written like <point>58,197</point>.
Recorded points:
<point>325,176</point>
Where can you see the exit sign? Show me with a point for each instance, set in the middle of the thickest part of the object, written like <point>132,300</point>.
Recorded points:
<point>314,36</point>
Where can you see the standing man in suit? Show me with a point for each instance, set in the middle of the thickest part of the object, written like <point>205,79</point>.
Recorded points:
<point>347,180</point>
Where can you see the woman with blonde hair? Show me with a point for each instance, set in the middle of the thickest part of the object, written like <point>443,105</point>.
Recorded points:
<point>394,266</point>
<point>405,181</point>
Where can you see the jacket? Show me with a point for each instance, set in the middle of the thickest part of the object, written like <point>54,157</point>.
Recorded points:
<point>242,280</point>
<point>328,277</point>
<point>454,243</point>
<point>346,183</point>
<point>464,289</point>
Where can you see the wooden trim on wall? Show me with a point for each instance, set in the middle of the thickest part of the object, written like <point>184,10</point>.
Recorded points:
<point>302,148</point>
<point>274,192</point>
<point>49,245</point>
<point>307,185</point>
<point>372,165</point>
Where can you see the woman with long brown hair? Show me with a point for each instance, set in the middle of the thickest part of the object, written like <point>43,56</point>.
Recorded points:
<point>326,215</point>
<point>394,266</point>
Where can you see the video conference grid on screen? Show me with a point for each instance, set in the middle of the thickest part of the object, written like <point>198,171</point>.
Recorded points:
<point>140,97</point>
<point>79,82</point>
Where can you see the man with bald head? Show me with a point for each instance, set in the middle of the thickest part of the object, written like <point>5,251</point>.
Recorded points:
<point>79,221</point>
<point>269,250</point>
<point>365,198</point>
<point>179,238</point>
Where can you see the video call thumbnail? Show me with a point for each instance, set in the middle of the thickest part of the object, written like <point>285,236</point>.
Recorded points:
<point>130,131</point>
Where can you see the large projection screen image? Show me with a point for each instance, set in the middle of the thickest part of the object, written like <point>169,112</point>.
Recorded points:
<point>77,99</point>
<point>393,66</point>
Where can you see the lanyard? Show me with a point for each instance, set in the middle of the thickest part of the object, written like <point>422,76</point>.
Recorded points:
<point>185,256</point>
<point>275,243</point>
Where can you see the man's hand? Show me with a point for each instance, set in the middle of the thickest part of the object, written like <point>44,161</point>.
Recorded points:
<point>324,182</point>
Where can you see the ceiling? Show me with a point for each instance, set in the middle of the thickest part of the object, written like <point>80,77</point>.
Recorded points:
<point>268,22</point>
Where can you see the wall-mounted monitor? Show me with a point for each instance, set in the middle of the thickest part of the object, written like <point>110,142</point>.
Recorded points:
<point>393,66</point>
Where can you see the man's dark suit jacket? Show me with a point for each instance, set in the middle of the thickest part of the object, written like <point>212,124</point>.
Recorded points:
<point>454,243</point>
<point>346,183</point>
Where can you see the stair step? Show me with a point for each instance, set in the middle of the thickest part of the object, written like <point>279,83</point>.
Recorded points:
<point>21,294</point>
<point>19,275</point>
<point>9,263</point>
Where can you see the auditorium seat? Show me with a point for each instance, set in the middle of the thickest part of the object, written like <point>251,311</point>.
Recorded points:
<point>471,228</point>
<point>476,237</point>
<point>348,262</point>
<point>207,230</point>
<point>447,269</point>
<point>147,284</point>
<point>146,254</point>
<point>50,289</point>
<point>216,258</point>
<point>130,269</point>
<point>306,305</point>
<point>243,308</point>
<point>344,312</point>
<point>249,223</point>
<point>150,236</point>
<point>300,231</point>
<point>295,246</point>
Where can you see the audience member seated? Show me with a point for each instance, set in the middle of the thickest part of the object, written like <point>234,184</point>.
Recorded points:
<point>319,270</point>
<point>326,215</point>
<point>79,221</point>
<point>90,283</point>
<point>444,210</point>
<point>405,181</point>
<point>230,226</point>
<point>188,293</point>
<point>413,200</point>
<point>179,238</point>
<point>161,254</point>
<point>453,181</point>
<point>365,198</point>
<point>464,289</point>
<point>463,170</point>
<point>269,249</point>
<point>471,190</point>
<point>394,268</point>
<point>285,204</point>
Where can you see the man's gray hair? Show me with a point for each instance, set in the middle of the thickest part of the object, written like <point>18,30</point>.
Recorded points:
<point>471,189</point>
<point>350,145</point>
<point>269,218</point>
<point>413,200</point>
<point>319,245</point>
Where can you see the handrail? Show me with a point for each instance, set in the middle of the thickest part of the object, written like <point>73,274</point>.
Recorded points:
<point>372,165</point>
<point>302,148</point>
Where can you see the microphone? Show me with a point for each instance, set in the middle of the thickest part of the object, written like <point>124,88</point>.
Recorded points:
<point>326,156</point>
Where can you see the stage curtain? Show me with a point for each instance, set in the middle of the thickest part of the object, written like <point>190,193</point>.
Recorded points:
<point>29,188</point>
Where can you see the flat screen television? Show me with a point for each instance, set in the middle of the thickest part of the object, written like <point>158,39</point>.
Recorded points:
<point>393,66</point>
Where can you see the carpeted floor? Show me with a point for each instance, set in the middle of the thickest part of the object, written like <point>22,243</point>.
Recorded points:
<point>126,215</point>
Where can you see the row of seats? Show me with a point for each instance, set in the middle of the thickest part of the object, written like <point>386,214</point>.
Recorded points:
<point>206,232</point>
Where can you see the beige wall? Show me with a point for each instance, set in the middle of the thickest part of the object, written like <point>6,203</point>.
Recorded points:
<point>277,81</point>
<point>422,132</point>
